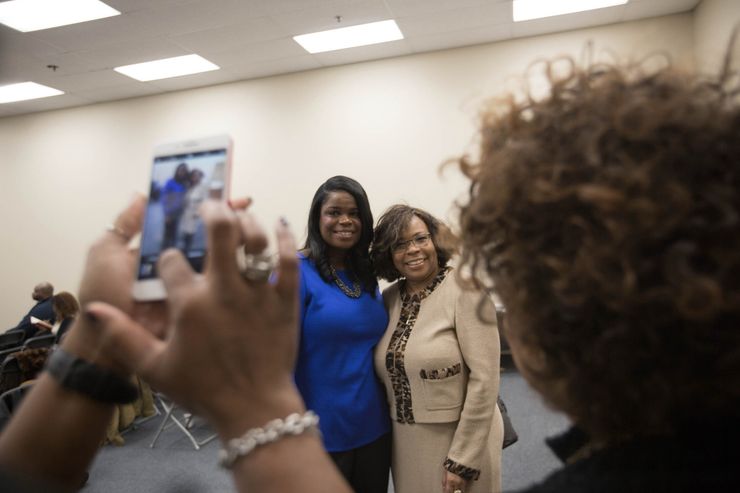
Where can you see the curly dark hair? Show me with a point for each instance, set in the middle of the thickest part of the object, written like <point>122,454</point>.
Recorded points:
<point>359,258</point>
<point>31,361</point>
<point>390,229</point>
<point>607,219</point>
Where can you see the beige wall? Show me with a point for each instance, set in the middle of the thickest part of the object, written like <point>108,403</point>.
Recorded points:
<point>714,21</point>
<point>387,123</point>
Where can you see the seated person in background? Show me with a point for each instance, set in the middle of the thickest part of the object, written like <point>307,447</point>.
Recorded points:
<point>608,217</point>
<point>30,363</point>
<point>65,308</point>
<point>42,310</point>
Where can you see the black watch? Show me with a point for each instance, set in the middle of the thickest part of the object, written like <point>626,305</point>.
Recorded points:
<point>89,379</point>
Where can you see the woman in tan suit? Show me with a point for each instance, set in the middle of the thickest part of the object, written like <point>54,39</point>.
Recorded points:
<point>438,361</point>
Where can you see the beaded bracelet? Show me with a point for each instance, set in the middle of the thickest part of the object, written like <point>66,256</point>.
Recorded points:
<point>295,424</point>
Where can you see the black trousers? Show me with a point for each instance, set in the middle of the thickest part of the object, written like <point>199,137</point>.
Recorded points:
<point>366,468</point>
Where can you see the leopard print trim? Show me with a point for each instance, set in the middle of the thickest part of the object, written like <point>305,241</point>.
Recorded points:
<point>464,472</point>
<point>394,355</point>
<point>440,373</point>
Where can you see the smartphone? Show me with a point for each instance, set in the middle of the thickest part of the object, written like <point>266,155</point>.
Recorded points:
<point>183,175</point>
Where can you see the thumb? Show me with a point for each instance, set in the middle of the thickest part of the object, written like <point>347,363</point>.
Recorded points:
<point>125,341</point>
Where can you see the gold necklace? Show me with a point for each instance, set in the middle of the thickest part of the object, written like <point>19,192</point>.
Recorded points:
<point>352,293</point>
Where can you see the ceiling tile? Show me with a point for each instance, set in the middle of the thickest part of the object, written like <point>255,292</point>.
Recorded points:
<point>404,8</point>
<point>17,68</point>
<point>89,81</point>
<point>123,91</point>
<point>323,17</point>
<point>84,35</point>
<point>283,6</point>
<point>640,9</point>
<point>258,52</point>
<point>456,20</point>
<point>273,67</point>
<point>14,41</point>
<point>134,51</point>
<point>193,16</point>
<point>231,36</point>
<point>463,37</point>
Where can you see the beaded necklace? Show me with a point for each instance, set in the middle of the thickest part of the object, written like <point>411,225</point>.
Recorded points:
<point>352,293</point>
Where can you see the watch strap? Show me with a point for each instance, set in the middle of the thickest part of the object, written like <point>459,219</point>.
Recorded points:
<point>89,379</point>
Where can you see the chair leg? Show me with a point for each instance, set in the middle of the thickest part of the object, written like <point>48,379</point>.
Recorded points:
<point>183,427</point>
<point>167,414</point>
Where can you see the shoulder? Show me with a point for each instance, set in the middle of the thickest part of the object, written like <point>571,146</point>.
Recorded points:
<point>392,290</point>
<point>306,262</point>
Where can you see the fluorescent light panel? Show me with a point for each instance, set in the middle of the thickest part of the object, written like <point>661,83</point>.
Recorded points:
<point>525,10</point>
<point>350,37</point>
<point>167,67</point>
<point>23,91</point>
<point>34,15</point>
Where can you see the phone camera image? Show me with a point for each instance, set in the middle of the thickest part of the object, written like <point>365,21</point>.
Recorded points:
<point>180,183</point>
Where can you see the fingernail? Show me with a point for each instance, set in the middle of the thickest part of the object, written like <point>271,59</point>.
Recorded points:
<point>283,221</point>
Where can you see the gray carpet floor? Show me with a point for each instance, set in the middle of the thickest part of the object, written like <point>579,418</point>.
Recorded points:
<point>173,465</point>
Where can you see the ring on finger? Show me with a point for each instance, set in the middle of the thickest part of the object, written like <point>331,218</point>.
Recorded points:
<point>112,228</point>
<point>257,267</point>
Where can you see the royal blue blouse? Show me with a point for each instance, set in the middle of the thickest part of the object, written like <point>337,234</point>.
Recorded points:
<point>334,371</point>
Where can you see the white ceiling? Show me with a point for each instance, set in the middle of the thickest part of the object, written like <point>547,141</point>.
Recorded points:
<point>253,38</point>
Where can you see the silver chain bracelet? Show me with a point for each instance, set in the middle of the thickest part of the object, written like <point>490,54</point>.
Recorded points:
<point>295,424</point>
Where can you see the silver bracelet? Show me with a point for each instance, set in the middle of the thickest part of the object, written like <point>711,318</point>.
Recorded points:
<point>295,424</point>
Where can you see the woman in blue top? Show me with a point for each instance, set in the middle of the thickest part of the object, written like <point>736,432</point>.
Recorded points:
<point>173,202</point>
<point>342,319</point>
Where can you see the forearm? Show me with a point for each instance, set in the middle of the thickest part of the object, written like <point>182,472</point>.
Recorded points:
<point>56,432</point>
<point>54,435</point>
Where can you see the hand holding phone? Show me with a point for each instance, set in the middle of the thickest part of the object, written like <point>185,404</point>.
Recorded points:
<point>184,174</point>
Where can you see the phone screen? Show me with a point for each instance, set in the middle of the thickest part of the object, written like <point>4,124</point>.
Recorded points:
<point>179,185</point>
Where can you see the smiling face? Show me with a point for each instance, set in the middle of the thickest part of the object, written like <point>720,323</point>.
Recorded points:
<point>339,223</point>
<point>416,260</point>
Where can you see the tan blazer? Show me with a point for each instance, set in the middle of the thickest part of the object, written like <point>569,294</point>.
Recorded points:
<point>451,361</point>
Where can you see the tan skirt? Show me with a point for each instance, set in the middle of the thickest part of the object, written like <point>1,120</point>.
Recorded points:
<point>420,449</point>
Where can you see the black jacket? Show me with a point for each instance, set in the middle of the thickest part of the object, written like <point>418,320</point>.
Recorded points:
<point>696,460</point>
<point>41,310</point>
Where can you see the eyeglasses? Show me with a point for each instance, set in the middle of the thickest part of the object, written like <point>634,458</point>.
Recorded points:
<point>418,241</point>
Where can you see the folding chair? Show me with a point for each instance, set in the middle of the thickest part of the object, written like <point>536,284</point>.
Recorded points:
<point>46,340</point>
<point>184,422</point>
<point>10,374</point>
<point>11,339</point>
<point>7,352</point>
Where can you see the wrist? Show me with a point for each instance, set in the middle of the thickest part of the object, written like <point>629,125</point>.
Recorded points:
<point>238,414</point>
<point>275,430</point>
<point>85,378</point>
<point>84,341</point>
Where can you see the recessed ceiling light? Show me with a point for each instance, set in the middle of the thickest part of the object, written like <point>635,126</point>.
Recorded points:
<point>350,37</point>
<point>525,10</point>
<point>167,67</point>
<point>34,15</point>
<point>23,91</point>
